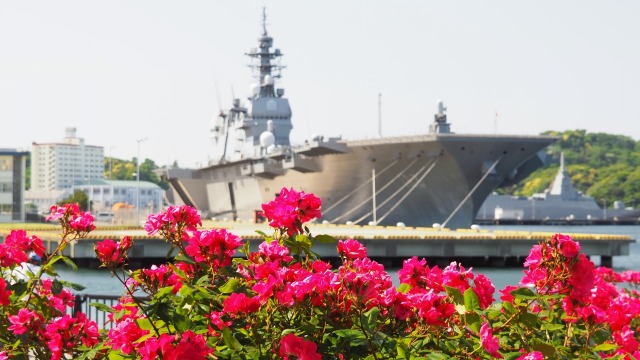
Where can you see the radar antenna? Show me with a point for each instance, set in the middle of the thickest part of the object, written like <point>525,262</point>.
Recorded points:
<point>264,20</point>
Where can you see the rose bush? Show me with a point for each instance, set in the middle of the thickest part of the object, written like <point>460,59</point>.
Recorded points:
<point>283,302</point>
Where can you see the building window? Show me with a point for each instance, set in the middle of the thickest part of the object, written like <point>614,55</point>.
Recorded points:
<point>6,187</point>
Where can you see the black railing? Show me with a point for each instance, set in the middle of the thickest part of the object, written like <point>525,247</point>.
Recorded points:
<point>83,304</point>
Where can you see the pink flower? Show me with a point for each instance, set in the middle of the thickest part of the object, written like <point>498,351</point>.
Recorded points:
<point>484,289</point>
<point>112,254</point>
<point>82,221</point>
<point>176,218</point>
<point>506,293</point>
<point>58,212</point>
<point>190,347</point>
<point>158,277</point>
<point>125,334</point>
<point>582,279</point>
<point>108,254</point>
<point>4,293</point>
<point>3,355</point>
<point>16,246</point>
<point>275,251</point>
<point>568,247</point>
<point>240,303</point>
<point>534,355</point>
<point>301,349</point>
<point>213,247</point>
<point>488,341</point>
<point>24,321</point>
<point>351,249</point>
<point>291,209</point>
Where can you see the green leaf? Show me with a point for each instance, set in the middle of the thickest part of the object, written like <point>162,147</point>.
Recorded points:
<point>181,322</point>
<point>56,287</point>
<point>70,263</point>
<point>404,288</point>
<point>74,286</point>
<point>457,298</point>
<point>370,318</point>
<point>349,334</point>
<point>230,286</point>
<point>304,240</point>
<point>547,350</point>
<point>102,307</point>
<point>230,341</point>
<point>605,347</point>
<point>474,321</point>
<point>523,293</point>
<point>325,239</point>
<point>403,351</point>
<point>552,327</point>
<point>529,320</point>
<point>183,258</point>
<point>436,356</point>
<point>600,336</point>
<point>116,355</point>
<point>471,301</point>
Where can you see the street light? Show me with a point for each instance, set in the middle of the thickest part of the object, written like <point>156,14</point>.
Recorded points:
<point>604,208</point>
<point>110,161</point>
<point>139,140</point>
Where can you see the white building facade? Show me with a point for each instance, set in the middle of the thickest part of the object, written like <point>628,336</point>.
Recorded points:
<point>104,194</point>
<point>12,185</point>
<point>60,166</point>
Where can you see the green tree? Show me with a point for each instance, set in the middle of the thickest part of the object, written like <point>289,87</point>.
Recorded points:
<point>79,197</point>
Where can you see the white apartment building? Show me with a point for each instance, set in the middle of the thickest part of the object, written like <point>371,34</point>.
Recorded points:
<point>12,184</point>
<point>129,201</point>
<point>60,166</point>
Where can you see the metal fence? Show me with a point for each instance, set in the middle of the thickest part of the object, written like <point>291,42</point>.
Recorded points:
<point>83,304</point>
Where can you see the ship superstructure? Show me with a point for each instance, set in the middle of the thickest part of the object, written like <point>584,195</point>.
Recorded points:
<point>438,177</point>
<point>560,202</point>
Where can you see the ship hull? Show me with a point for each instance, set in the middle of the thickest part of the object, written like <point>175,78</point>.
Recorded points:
<point>419,180</point>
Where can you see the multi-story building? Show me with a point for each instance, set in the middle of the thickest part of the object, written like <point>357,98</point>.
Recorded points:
<point>12,185</point>
<point>103,194</point>
<point>63,165</point>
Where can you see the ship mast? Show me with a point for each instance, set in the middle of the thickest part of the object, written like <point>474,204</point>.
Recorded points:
<point>266,62</point>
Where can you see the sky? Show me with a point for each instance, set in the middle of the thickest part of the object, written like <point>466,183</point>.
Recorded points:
<point>147,77</point>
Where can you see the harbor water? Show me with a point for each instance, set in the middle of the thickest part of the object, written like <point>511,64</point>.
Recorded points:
<point>101,282</point>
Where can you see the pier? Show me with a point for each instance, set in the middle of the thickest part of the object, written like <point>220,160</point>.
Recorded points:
<point>389,245</point>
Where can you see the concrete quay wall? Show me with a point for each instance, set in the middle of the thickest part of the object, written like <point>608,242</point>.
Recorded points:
<point>389,245</point>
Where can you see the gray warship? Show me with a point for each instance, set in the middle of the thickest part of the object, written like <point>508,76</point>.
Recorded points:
<point>561,203</point>
<point>439,178</point>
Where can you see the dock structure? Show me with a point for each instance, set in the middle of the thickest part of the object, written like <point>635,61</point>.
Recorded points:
<point>387,244</point>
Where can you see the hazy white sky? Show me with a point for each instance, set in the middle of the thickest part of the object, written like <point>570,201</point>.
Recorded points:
<point>123,70</point>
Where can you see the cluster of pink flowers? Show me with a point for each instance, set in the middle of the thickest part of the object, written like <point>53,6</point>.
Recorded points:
<point>113,254</point>
<point>213,247</point>
<point>62,333</point>
<point>17,245</point>
<point>71,216</point>
<point>291,209</point>
<point>207,304</point>
<point>176,220</point>
<point>157,277</point>
<point>299,348</point>
<point>420,276</point>
<point>128,337</point>
<point>556,267</point>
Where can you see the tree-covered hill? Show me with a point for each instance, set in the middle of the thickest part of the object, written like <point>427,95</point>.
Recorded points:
<point>601,165</point>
